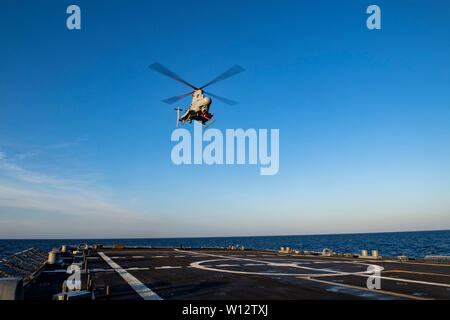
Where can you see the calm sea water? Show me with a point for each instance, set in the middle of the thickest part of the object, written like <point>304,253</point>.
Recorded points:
<point>413,244</point>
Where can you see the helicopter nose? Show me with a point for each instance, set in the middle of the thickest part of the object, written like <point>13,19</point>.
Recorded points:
<point>207,100</point>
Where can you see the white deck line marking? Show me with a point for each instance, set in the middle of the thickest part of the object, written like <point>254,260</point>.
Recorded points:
<point>134,283</point>
<point>408,280</point>
<point>128,269</point>
<point>168,267</point>
<point>159,256</point>
<point>419,263</point>
<point>365,289</point>
<point>95,270</point>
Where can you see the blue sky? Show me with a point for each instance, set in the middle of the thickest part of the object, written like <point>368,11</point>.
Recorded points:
<point>363,116</point>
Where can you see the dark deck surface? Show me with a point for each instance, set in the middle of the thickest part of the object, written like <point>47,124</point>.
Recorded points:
<point>216,274</point>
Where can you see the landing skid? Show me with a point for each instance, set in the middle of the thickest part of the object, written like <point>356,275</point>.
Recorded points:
<point>207,126</point>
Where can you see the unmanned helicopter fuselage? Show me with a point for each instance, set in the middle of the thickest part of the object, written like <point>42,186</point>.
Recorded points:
<point>198,110</point>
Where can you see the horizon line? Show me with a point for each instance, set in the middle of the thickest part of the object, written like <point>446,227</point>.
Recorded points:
<point>209,237</point>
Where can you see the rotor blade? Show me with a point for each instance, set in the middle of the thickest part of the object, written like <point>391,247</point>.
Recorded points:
<point>230,72</point>
<point>225,100</point>
<point>161,69</point>
<point>176,98</point>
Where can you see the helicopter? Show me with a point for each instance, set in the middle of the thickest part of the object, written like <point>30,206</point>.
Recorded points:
<point>199,107</point>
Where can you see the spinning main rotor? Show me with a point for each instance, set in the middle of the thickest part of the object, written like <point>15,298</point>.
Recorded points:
<point>227,74</point>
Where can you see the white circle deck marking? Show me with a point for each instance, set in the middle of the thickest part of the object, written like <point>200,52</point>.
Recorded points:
<point>310,276</point>
<point>317,271</point>
<point>289,263</point>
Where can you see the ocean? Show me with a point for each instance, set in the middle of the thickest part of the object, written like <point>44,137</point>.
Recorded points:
<point>415,244</point>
